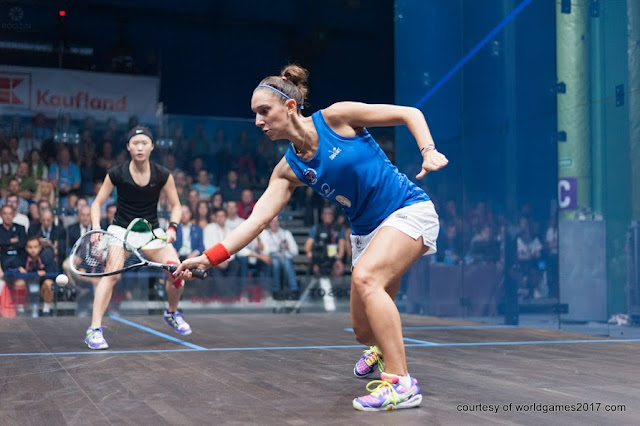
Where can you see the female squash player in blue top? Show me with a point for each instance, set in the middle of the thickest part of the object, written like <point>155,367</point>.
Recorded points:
<point>139,183</point>
<point>393,220</point>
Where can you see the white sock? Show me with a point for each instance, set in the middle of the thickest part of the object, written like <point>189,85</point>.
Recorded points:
<point>405,381</point>
<point>46,307</point>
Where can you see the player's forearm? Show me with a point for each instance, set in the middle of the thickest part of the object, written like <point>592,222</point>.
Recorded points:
<point>243,235</point>
<point>96,207</point>
<point>418,127</point>
<point>176,214</point>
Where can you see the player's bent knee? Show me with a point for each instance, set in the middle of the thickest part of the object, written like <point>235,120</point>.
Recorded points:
<point>364,283</point>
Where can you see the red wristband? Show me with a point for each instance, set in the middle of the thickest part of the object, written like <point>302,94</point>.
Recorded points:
<point>217,254</point>
<point>174,229</point>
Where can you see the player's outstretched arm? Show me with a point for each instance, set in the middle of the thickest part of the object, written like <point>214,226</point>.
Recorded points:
<point>359,115</point>
<point>281,186</point>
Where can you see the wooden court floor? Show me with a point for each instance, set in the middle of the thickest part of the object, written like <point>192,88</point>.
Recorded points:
<point>297,369</point>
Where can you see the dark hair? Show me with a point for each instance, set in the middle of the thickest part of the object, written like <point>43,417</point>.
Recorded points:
<point>33,237</point>
<point>292,81</point>
<point>139,130</point>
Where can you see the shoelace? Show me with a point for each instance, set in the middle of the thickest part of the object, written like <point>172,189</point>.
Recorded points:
<point>178,319</point>
<point>380,387</point>
<point>370,353</point>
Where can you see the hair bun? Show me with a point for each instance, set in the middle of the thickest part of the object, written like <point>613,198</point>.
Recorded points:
<point>296,75</point>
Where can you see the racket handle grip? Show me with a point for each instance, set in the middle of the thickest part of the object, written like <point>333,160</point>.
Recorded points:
<point>197,273</point>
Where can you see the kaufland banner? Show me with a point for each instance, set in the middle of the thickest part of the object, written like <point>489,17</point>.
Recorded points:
<point>52,91</point>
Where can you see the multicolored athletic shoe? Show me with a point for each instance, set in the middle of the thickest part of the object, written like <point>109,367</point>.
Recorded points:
<point>177,322</point>
<point>389,394</point>
<point>94,339</point>
<point>370,360</point>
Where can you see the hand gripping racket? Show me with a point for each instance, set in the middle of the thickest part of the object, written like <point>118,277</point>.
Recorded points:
<point>99,253</point>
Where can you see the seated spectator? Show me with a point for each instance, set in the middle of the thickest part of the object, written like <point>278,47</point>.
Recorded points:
<point>79,228</point>
<point>450,245</point>
<point>484,248</point>
<point>52,237</point>
<point>37,167</point>
<point>192,199</point>
<point>230,189</point>
<point>13,239</point>
<point>18,218</point>
<point>14,189</point>
<point>26,184</point>
<point>45,192</point>
<point>280,245</point>
<point>246,204</point>
<point>201,216</point>
<point>203,186</point>
<point>108,219</point>
<point>104,161</point>
<point>65,175</point>
<point>217,202</point>
<point>8,167</point>
<point>188,241</point>
<point>37,267</point>
<point>233,220</point>
<point>325,246</point>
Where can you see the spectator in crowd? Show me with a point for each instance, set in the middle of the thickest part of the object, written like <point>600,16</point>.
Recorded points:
<point>65,175</point>
<point>226,278</point>
<point>230,189</point>
<point>79,228</point>
<point>181,186</point>
<point>37,167</point>
<point>484,248</point>
<point>201,215</point>
<point>280,245</point>
<point>551,254</point>
<point>15,153</point>
<point>104,161</point>
<point>246,204</point>
<point>529,255</point>
<point>245,154</point>
<point>224,158</point>
<point>325,246</point>
<point>199,142</point>
<point>18,218</point>
<point>13,239</point>
<point>217,202</point>
<point>188,241</point>
<point>37,267</point>
<point>110,215</point>
<point>192,199</point>
<point>27,142</point>
<point>203,185</point>
<point>233,220</point>
<point>8,167</point>
<point>26,183</point>
<point>41,130</point>
<point>215,230</point>
<point>13,188</point>
<point>52,237</point>
<point>45,192</point>
<point>450,244</point>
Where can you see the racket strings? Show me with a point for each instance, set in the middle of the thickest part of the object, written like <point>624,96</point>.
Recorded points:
<point>100,256</point>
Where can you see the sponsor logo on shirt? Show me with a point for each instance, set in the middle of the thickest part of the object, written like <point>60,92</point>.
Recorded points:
<point>334,152</point>
<point>326,190</point>
<point>343,200</point>
<point>311,175</point>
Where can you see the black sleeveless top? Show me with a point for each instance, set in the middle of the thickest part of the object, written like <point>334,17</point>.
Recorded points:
<point>137,201</point>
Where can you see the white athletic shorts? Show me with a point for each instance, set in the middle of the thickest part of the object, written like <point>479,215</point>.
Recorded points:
<point>417,220</point>
<point>143,237</point>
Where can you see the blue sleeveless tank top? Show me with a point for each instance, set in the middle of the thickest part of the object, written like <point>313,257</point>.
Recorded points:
<point>355,173</point>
